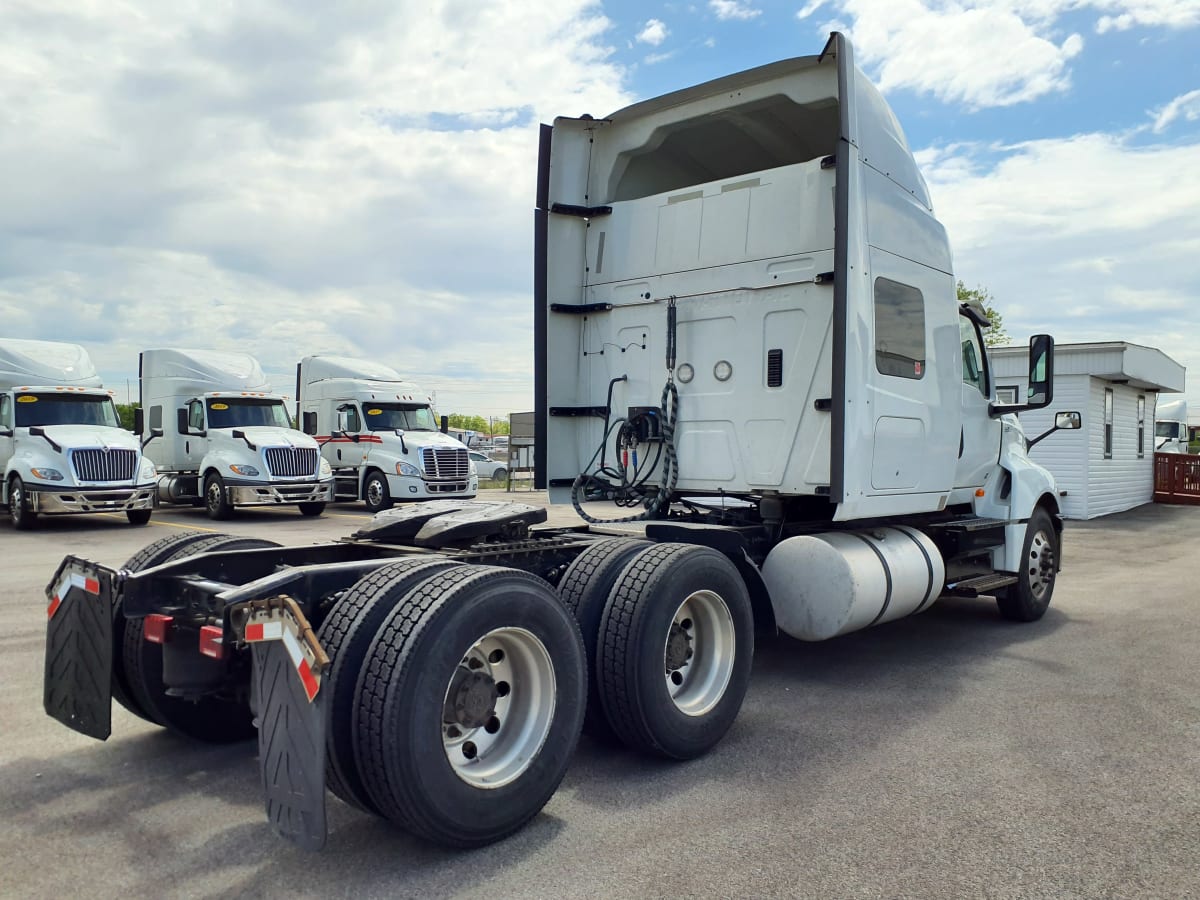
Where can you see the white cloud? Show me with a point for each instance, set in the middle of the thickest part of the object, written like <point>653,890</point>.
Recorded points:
<point>654,33</point>
<point>809,8</point>
<point>1186,105</point>
<point>986,53</point>
<point>285,181</point>
<point>733,9</point>
<point>1089,238</point>
<point>654,59</point>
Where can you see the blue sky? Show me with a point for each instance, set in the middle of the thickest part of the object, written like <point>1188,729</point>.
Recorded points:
<point>290,178</point>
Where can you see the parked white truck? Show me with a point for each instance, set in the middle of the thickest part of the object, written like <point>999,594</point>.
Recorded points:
<point>62,448</point>
<point>746,335</point>
<point>1171,427</point>
<point>220,437</point>
<point>379,433</point>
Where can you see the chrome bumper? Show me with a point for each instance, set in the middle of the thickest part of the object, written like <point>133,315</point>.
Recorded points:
<point>281,493</point>
<point>88,500</point>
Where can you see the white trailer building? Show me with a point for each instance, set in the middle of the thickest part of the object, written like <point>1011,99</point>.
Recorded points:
<point>1108,465</point>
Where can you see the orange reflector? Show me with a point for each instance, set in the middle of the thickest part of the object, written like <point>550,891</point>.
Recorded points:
<point>157,628</point>
<point>980,492</point>
<point>212,641</point>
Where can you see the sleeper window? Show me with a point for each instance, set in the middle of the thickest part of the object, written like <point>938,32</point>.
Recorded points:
<point>899,329</point>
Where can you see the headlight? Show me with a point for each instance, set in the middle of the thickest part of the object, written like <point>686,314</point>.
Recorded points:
<point>247,471</point>
<point>472,468</point>
<point>325,468</point>
<point>46,474</point>
<point>147,471</point>
<point>403,468</point>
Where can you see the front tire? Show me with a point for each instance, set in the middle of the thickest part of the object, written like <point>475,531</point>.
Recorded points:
<point>216,498</point>
<point>311,509</point>
<point>1029,598</point>
<point>138,516</point>
<point>376,494</point>
<point>19,513</point>
<point>676,644</point>
<point>470,705</point>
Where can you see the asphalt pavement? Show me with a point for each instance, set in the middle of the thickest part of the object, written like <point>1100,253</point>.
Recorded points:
<point>948,755</point>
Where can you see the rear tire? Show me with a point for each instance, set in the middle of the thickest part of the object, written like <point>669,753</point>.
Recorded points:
<point>311,509</point>
<point>584,590</point>
<point>376,494</point>
<point>212,719</point>
<point>346,636</point>
<point>138,516</point>
<point>676,644</point>
<point>470,705</point>
<point>19,513</point>
<point>216,498</point>
<point>1029,598</point>
<point>151,555</point>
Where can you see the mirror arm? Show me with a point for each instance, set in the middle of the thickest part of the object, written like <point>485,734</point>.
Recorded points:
<point>238,433</point>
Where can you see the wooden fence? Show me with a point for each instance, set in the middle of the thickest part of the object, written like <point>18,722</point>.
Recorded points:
<point>1176,478</point>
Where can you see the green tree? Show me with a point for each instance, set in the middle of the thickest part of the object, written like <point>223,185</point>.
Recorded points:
<point>995,335</point>
<point>125,414</point>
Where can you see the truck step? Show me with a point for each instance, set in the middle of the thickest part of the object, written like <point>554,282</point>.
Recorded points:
<point>979,585</point>
<point>969,523</point>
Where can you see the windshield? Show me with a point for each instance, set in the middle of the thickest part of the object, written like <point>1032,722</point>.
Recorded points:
<point>390,416</point>
<point>1166,429</point>
<point>65,409</point>
<point>240,412</point>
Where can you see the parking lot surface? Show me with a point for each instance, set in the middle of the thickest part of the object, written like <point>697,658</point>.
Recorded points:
<point>948,755</point>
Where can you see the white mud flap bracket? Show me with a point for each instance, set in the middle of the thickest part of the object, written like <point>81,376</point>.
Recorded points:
<point>77,683</point>
<point>288,666</point>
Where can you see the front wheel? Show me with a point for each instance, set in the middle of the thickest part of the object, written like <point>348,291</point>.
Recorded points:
<point>216,498</point>
<point>376,495</point>
<point>311,509</point>
<point>1029,598</point>
<point>138,516</point>
<point>22,517</point>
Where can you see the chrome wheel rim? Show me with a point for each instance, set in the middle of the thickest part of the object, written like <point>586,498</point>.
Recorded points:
<point>1040,568</point>
<point>699,653</point>
<point>214,495</point>
<point>498,708</point>
<point>374,492</point>
<point>16,501</point>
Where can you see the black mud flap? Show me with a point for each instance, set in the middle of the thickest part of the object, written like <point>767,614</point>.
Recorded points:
<point>291,733</point>
<point>77,685</point>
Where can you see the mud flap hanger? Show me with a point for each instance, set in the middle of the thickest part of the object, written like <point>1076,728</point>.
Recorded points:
<point>286,682</point>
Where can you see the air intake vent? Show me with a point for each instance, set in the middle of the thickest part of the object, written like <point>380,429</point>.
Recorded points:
<point>291,462</point>
<point>774,368</point>
<point>104,465</point>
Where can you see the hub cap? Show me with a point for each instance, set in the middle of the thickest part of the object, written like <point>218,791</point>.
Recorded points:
<point>1041,564</point>
<point>699,653</point>
<point>498,707</point>
<point>374,492</point>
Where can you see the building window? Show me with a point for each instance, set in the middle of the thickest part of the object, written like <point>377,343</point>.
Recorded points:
<point>899,329</point>
<point>1108,423</point>
<point>1141,426</point>
<point>1007,394</point>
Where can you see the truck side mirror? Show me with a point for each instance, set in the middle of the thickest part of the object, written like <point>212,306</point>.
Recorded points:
<point>1041,371</point>
<point>308,422</point>
<point>139,421</point>
<point>343,420</point>
<point>1068,420</point>
<point>445,424</point>
<point>181,417</point>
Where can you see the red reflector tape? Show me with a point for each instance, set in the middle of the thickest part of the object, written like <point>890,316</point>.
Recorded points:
<point>157,628</point>
<point>55,603</point>
<point>91,585</point>
<point>311,685</point>
<point>254,632</point>
<point>212,641</point>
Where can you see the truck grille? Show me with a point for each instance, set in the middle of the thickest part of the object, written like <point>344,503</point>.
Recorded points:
<point>291,462</point>
<point>445,463</point>
<point>104,465</point>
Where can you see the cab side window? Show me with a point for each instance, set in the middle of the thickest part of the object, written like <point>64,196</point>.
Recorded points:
<point>973,364</point>
<point>899,329</point>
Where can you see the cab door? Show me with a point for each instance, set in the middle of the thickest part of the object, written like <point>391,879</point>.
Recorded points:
<point>979,440</point>
<point>8,438</point>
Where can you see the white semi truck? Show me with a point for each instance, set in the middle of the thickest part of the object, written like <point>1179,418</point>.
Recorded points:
<point>747,337</point>
<point>220,437</point>
<point>379,433</point>
<point>62,447</point>
<point>1171,427</point>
